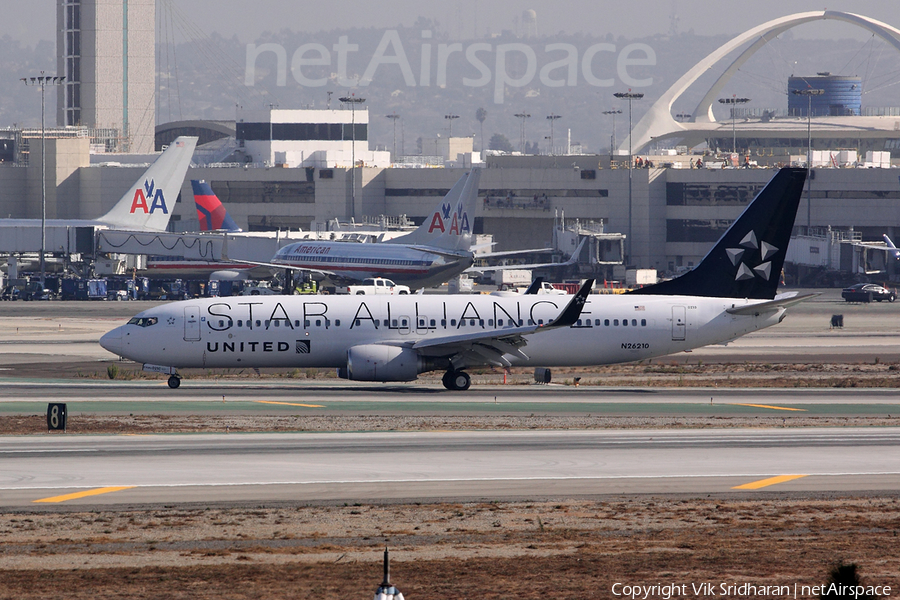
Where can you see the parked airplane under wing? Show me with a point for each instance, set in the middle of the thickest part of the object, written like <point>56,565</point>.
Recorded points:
<point>395,338</point>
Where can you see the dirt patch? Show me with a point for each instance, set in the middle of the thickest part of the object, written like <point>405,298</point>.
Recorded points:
<point>561,549</point>
<point>163,423</point>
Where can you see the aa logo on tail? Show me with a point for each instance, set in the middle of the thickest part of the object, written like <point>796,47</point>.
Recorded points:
<point>154,194</point>
<point>446,222</point>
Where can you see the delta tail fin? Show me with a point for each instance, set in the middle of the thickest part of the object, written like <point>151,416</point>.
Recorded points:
<point>747,260</point>
<point>212,214</point>
<point>150,201</point>
<point>449,226</point>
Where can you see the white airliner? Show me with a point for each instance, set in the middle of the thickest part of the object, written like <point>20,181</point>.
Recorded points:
<point>147,206</point>
<point>428,256</point>
<point>731,292</point>
<point>438,250</point>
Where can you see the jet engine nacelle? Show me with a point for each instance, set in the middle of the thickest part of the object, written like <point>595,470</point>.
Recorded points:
<point>375,362</point>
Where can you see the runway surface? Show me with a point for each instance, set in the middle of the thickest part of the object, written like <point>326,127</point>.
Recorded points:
<point>56,471</point>
<point>349,467</point>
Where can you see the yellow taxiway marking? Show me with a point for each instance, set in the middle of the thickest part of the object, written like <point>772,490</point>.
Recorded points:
<point>755,485</point>
<point>769,406</point>
<point>84,494</point>
<point>290,404</point>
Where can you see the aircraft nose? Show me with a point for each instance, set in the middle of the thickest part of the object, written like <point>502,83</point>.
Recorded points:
<point>112,341</point>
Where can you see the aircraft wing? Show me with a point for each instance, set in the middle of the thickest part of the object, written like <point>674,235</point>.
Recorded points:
<point>281,267</point>
<point>893,251</point>
<point>440,252</point>
<point>491,346</point>
<point>514,252</point>
<point>571,261</point>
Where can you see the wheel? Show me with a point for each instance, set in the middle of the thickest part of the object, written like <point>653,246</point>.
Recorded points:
<point>447,380</point>
<point>457,381</point>
<point>461,381</point>
<point>360,293</point>
<point>891,298</point>
<point>174,381</point>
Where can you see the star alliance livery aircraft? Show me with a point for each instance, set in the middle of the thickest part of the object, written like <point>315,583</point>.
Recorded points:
<point>731,292</point>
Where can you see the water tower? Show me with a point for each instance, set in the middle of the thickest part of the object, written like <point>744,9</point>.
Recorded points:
<point>529,23</point>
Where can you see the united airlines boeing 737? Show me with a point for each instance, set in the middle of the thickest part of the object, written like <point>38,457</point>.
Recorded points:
<point>731,292</point>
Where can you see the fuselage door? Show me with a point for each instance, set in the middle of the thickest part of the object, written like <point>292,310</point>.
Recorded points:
<point>679,323</point>
<point>191,324</point>
<point>404,324</point>
<point>421,324</point>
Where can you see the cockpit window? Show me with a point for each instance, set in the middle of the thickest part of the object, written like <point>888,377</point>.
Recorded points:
<point>143,321</point>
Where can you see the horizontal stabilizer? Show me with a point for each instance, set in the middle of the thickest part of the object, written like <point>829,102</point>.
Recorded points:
<point>771,305</point>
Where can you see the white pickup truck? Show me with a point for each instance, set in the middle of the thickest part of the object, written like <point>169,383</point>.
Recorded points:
<point>375,285</point>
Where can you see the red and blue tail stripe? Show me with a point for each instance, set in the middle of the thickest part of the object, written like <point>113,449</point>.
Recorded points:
<point>210,212</point>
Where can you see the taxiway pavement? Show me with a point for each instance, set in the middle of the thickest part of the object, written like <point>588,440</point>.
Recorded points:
<point>57,471</point>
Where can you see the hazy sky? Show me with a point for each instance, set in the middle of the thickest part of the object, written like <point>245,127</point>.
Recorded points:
<point>35,20</point>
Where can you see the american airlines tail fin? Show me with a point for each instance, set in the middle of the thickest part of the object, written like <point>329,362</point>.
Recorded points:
<point>212,214</point>
<point>746,262</point>
<point>449,227</point>
<point>150,201</point>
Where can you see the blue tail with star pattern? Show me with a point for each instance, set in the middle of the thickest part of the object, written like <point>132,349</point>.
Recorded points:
<point>746,262</point>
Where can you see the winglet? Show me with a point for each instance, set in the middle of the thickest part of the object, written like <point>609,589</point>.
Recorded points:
<point>534,287</point>
<point>573,309</point>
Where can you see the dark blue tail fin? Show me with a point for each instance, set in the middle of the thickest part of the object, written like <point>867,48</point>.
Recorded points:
<point>747,260</point>
<point>210,212</point>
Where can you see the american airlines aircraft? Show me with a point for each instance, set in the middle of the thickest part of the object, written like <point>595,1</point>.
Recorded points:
<point>731,292</point>
<point>147,206</point>
<point>430,255</point>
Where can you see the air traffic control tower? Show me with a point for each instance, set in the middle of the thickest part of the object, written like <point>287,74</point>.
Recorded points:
<point>106,50</point>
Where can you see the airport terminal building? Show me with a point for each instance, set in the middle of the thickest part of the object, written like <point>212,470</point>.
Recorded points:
<point>675,213</point>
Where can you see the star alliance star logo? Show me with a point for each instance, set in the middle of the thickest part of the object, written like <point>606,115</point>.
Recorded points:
<point>766,251</point>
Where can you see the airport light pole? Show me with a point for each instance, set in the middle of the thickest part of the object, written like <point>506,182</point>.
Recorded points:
<point>523,116</point>
<point>450,119</point>
<point>631,96</point>
<point>733,101</point>
<point>612,146</point>
<point>393,117</point>
<point>43,81</point>
<point>809,93</point>
<point>352,100</point>
<point>552,117</point>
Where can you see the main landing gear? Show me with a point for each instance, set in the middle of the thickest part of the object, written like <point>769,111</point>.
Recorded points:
<point>174,381</point>
<point>458,381</point>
